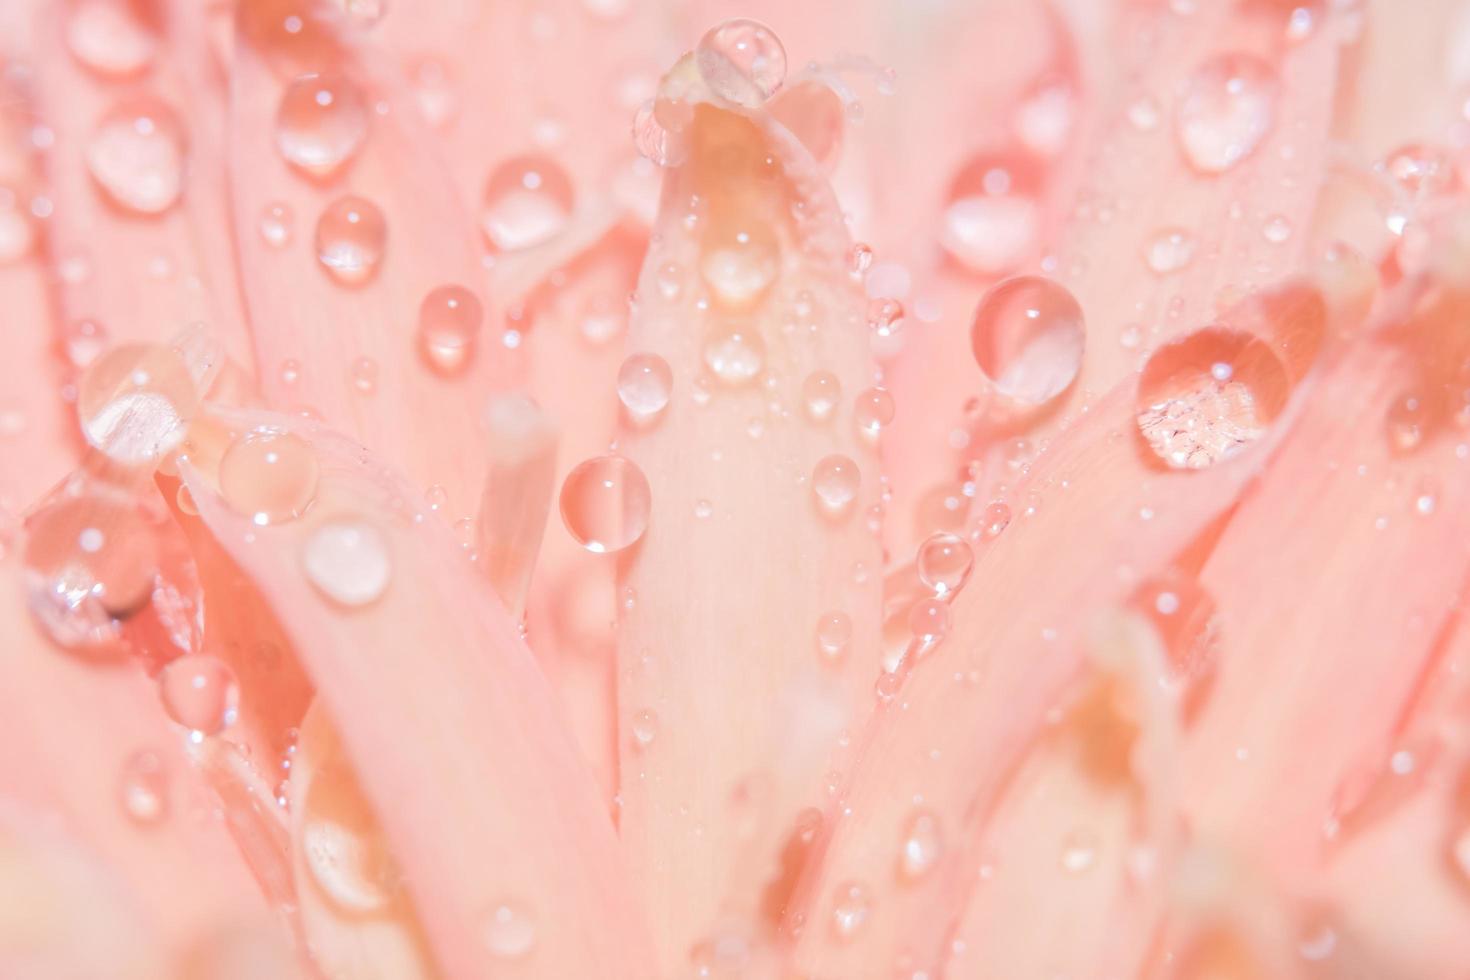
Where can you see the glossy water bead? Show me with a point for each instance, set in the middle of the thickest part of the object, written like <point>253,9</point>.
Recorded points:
<point>944,563</point>
<point>348,561</point>
<point>109,38</point>
<point>136,155</point>
<point>992,216</point>
<point>321,123</point>
<point>605,503</point>
<point>449,321</point>
<point>1028,336</point>
<point>133,402</point>
<point>1227,107</point>
<point>527,201</point>
<point>742,61</point>
<point>200,692</point>
<point>350,237</point>
<point>835,483</point>
<point>645,382</point>
<point>820,393</point>
<point>269,475</point>
<point>736,355</point>
<point>834,634</point>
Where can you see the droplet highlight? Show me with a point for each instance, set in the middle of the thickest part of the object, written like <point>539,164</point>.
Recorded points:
<point>605,503</point>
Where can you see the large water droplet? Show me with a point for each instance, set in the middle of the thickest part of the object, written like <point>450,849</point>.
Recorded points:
<point>1170,250</point>
<point>944,562</point>
<point>510,931</point>
<point>644,727</point>
<point>143,789</point>
<point>348,561</point>
<point>1227,108</point>
<point>109,37</point>
<point>835,482</point>
<point>735,355</point>
<point>350,236</point>
<point>269,475</point>
<point>605,503</point>
<point>200,692</point>
<point>992,217</point>
<point>321,123</point>
<point>645,383</point>
<point>742,61</point>
<point>527,201</point>
<point>136,155</point>
<point>1205,397</point>
<point>850,910</point>
<point>1028,336</point>
<point>342,845</point>
<point>922,845</point>
<point>834,634</point>
<point>132,403</point>
<point>740,265</point>
<point>449,321</point>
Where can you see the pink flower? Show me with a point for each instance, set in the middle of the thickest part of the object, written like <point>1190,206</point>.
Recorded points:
<point>1010,491</point>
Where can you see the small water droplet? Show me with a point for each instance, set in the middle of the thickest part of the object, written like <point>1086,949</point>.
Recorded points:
<point>1144,114</point>
<point>1170,250</point>
<point>944,562</point>
<point>133,401</point>
<point>277,224</point>
<point>922,845</point>
<point>735,355</point>
<point>644,727</point>
<point>200,692</point>
<point>321,123</point>
<point>1027,337</point>
<point>1228,107</point>
<point>835,482</point>
<point>1079,852</point>
<point>350,236</point>
<point>739,265</point>
<point>997,518</point>
<point>136,155</point>
<point>834,634</point>
<point>820,393</point>
<point>1277,229</point>
<point>850,910</point>
<point>872,411</point>
<point>510,932</point>
<point>83,341</point>
<point>605,503</point>
<point>269,475</point>
<point>143,789</point>
<point>859,260</point>
<point>742,61</point>
<point>109,38</point>
<point>929,620</point>
<point>364,373</point>
<point>437,91</point>
<point>1207,396</point>
<point>645,384</point>
<point>527,201</point>
<point>992,216</point>
<point>348,561</point>
<point>1407,418</point>
<point>449,322</point>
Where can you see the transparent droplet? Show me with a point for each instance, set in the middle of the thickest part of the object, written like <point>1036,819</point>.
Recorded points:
<point>527,201</point>
<point>742,61</point>
<point>133,402</point>
<point>1028,336</point>
<point>449,321</point>
<point>655,141</point>
<point>872,411</point>
<point>321,123</point>
<point>736,356</point>
<point>835,482</point>
<point>510,932</point>
<point>997,518</point>
<point>136,155</point>
<point>645,384</point>
<point>1408,417</point>
<point>143,789</point>
<point>364,374</point>
<point>1169,251</point>
<point>605,503</point>
<point>1079,852</point>
<point>108,37</point>
<point>944,562</point>
<point>1208,395</point>
<point>342,845</point>
<point>922,845</point>
<point>350,236</point>
<point>1421,170</point>
<point>200,692</point>
<point>644,727</point>
<point>929,620</point>
<point>1277,229</point>
<point>820,393</point>
<point>850,910</point>
<point>277,224</point>
<point>1227,108</point>
<point>17,229</point>
<point>740,266</point>
<point>834,634</point>
<point>437,91</point>
<point>269,475</point>
<point>348,561</point>
<point>992,215</point>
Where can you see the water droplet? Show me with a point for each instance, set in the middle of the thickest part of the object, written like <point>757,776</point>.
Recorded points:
<point>321,123</point>
<point>944,562</point>
<point>350,236</point>
<point>364,373</point>
<point>1205,397</point>
<point>1144,114</point>
<point>1406,421</point>
<point>277,224</point>
<point>1027,336</point>
<point>820,393</point>
<point>1420,169</point>
<point>929,620</point>
<point>348,562</point>
<point>108,37</point>
<point>742,61</point>
<point>1228,107</point>
<point>17,229</point>
<point>200,692</point>
<point>83,341</point>
<point>859,260</point>
<point>835,482</point>
<point>655,141</point>
<point>739,266</point>
<point>645,383</point>
<point>437,91</point>
<point>850,910</point>
<point>133,401</point>
<point>143,789</point>
<point>992,217</point>
<point>1277,229</point>
<point>1079,852</point>
<point>1169,251</point>
<point>644,727</point>
<point>449,321</point>
<point>885,320</point>
<point>997,518</point>
<point>527,201</point>
<point>605,503</point>
<point>922,845</point>
<point>341,843</point>
<point>872,410</point>
<point>269,475</point>
<point>735,355</point>
<point>364,12</point>
<point>834,634</point>
<point>510,932</point>
<point>136,155</point>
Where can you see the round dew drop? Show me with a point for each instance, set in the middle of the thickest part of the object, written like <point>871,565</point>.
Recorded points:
<point>449,321</point>
<point>350,237</point>
<point>1170,250</point>
<point>510,932</point>
<point>143,789</point>
<point>850,910</point>
<point>527,201</point>
<point>740,266</point>
<point>735,355</point>
<point>200,692</point>
<point>605,503</point>
<point>644,728</point>
<point>820,393</point>
<point>872,410</point>
<point>992,218</point>
<point>269,475</point>
<point>835,482</point>
<point>107,38</point>
<point>321,123</point>
<point>944,562</point>
<point>645,384</point>
<point>1027,337</point>
<point>742,61</point>
<point>348,562</point>
<point>929,620</point>
<point>277,224</point>
<point>834,634</point>
<point>136,156</point>
<point>1227,108</point>
<point>922,845</point>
